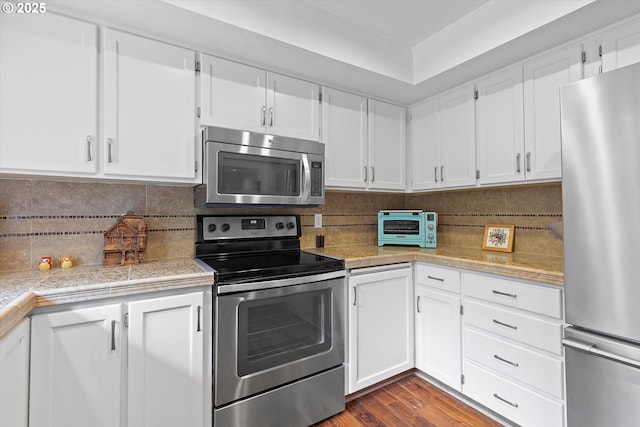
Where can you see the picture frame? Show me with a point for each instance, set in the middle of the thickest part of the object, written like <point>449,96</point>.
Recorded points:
<point>498,237</point>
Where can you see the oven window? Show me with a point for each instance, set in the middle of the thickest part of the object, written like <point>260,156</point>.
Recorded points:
<point>401,226</point>
<point>258,175</point>
<point>275,331</point>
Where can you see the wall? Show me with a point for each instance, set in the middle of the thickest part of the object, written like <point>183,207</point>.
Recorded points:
<point>40,218</point>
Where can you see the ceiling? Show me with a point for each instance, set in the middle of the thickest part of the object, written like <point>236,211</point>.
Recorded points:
<point>395,50</point>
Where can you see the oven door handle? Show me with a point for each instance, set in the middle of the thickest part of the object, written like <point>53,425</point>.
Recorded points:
<point>278,283</point>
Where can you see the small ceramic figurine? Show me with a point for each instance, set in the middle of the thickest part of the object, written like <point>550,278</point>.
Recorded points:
<point>66,262</point>
<point>45,263</point>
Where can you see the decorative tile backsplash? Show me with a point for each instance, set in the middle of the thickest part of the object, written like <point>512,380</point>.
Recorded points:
<point>39,218</point>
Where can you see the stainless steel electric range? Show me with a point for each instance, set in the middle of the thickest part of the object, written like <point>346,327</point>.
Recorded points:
<point>279,322</point>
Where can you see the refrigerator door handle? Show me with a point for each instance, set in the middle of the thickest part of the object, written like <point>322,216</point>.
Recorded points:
<point>591,348</point>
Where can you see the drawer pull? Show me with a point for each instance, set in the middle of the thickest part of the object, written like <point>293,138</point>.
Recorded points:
<point>504,294</point>
<point>497,396</point>
<point>113,335</point>
<point>439,279</point>
<point>497,322</point>
<point>495,356</point>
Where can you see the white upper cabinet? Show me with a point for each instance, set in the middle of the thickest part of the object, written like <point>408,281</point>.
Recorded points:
<point>344,133</point>
<point>48,106</point>
<point>238,96</point>
<point>500,127</point>
<point>621,46</point>
<point>149,109</point>
<point>443,141</point>
<point>542,80</point>
<point>387,143</point>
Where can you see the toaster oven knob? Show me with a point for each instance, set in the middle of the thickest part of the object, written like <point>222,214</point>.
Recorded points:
<point>430,236</point>
<point>291,225</point>
<point>212,228</point>
<point>430,226</point>
<point>279,225</point>
<point>225,227</point>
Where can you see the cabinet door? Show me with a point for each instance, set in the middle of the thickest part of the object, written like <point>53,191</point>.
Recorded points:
<point>380,326</point>
<point>386,146</point>
<point>500,127</point>
<point>542,80</point>
<point>621,46</point>
<point>457,138</point>
<point>14,376</point>
<point>592,48</point>
<point>48,107</point>
<point>344,133</point>
<point>75,368</point>
<point>232,95</point>
<point>438,340</point>
<point>166,361</point>
<point>425,145</point>
<point>149,109</point>
<point>293,107</point>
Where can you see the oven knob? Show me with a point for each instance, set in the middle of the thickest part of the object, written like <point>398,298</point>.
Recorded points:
<point>430,236</point>
<point>225,227</point>
<point>291,225</point>
<point>212,228</point>
<point>279,225</point>
<point>430,226</point>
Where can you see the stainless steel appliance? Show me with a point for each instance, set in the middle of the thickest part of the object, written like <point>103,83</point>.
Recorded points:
<point>279,322</point>
<point>407,227</point>
<point>601,208</point>
<point>258,169</point>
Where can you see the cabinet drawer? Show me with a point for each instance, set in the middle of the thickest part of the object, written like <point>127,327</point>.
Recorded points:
<point>518,326</point>
<point>510,400</point>
<point>538,299</point>
<point>436,277</point>
<point>530,367</point>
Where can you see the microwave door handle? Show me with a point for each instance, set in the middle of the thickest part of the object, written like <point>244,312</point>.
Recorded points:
<point>306,179</point>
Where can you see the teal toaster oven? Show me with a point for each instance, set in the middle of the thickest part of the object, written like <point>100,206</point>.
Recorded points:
<point>408,228</point>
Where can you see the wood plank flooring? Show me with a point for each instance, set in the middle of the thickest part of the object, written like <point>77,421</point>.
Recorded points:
<point>410,401</point>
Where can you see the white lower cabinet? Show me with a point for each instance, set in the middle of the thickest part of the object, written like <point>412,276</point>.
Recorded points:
<point>86,370</point>
<point>513,359</point>
<point>437,324</point>
<point>380,324</point>
<point>14,376</point>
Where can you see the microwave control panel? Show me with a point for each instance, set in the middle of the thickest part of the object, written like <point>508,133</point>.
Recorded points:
<point>316,179</point>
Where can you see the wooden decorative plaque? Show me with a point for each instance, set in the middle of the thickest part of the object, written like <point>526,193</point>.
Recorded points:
<point>126,241</point>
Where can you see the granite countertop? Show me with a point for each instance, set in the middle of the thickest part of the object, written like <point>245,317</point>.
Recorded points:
<point>539,268</point>
<point>22,291</point>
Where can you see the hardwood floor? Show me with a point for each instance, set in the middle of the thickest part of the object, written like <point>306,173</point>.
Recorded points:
<point>410,401</point>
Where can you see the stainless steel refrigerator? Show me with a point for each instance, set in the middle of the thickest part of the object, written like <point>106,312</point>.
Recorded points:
<point>600,119</point>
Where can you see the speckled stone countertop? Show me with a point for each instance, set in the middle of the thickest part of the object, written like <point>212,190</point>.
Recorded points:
<point>538,268</point>
<point>22,291</point>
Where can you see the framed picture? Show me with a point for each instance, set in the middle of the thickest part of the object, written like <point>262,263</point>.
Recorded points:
<point>498,237</point>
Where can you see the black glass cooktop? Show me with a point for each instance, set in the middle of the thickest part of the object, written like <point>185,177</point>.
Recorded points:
<point>254,267</point>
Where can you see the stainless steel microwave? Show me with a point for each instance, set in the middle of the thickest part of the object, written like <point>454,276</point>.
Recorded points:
<point>248,168</point>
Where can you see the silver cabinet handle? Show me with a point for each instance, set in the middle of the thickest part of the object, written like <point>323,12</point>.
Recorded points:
<point>495,356</point>
<point>435,174</point>
<point>271,116</point>
<point>497,322</point>
<point>497,396</point>
<point>528,161</point>
<point>113,335</point>
<point>366,177</point>
<point>517,162</point>
<point>355,295</point>
<point>264,115</point>
<point>418,304</point>
<point>442,173</point>
<point>435,278</point>
<point>373,174</point>
<point>89,140</point>
<point>504,294</point>
<point>198,327</point>
<point>109,144</point>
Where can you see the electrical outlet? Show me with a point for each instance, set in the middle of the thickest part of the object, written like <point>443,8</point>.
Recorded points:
<point>317,220</point>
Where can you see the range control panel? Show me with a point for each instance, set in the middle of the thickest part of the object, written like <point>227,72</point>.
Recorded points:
<point>248,227</point>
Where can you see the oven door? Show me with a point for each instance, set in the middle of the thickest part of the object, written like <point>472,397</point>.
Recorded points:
<point>269,337</point>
